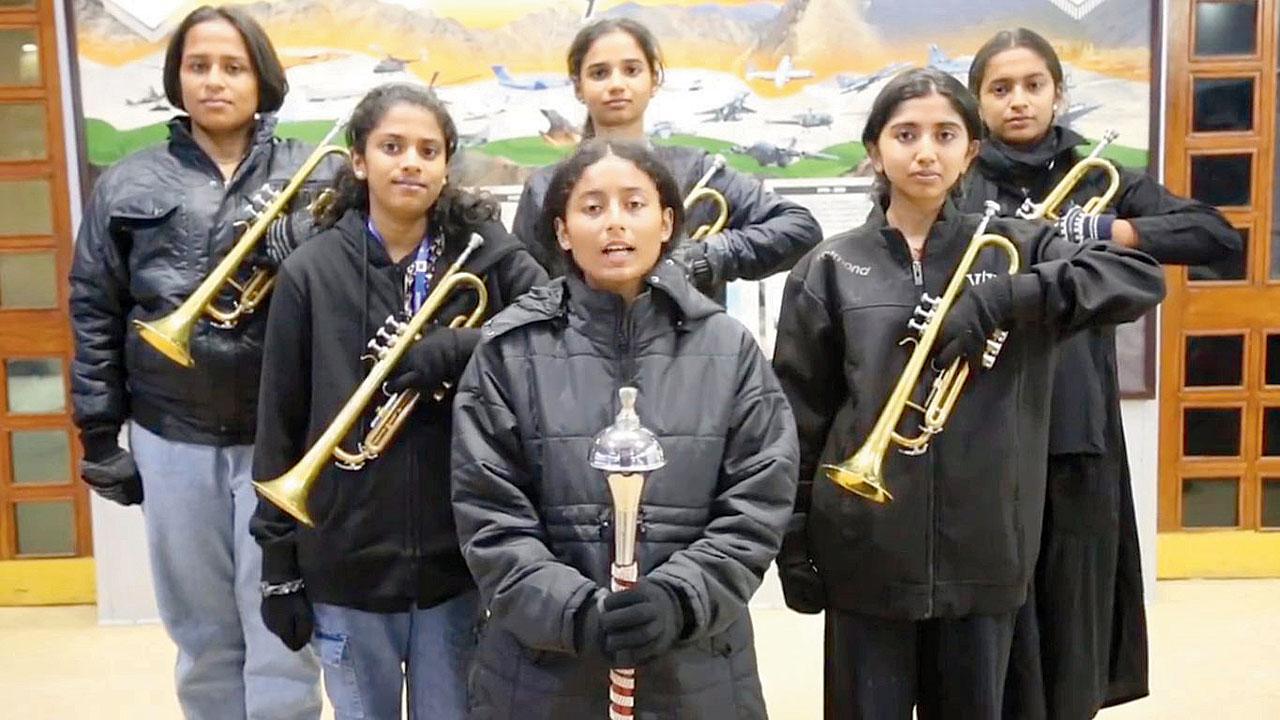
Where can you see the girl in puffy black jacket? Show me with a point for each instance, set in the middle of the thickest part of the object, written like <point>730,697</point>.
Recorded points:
<point>535,519</point>
<point>378,586</point>
<point>921,591</point>
<point>1082,638</point>
<point>616,68</point>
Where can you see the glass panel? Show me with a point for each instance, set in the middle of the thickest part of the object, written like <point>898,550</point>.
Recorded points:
<point>28,280</point>
<point>1273,360</point>
<point>1231,267</point>
<point>1221,179</point>
<point>40,457</point>
<point>1214,360</point>
<point>1226,28</point>
<point>24,132</point>
<point>35,386</point>
<point>19,57</point>
<point>1210,502</point>
<point>1271,502</point>
<point>1271,431</point>
<point>1222,104</point>
<point>1213,432</point>
<point>46,528</point>
<point>25,208</point>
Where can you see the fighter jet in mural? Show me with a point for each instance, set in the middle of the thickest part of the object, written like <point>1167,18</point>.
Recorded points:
<point>769,154</point>
<point>853,83</point>
<point>807,119</point>
<point>392,64</point>
<point>784,73</point>
<point>154,98</point>
<point>939,60</point>
<point>1075,111</point>
<point>561,133</point>
<point>530,82</point>
<point>730,111</point>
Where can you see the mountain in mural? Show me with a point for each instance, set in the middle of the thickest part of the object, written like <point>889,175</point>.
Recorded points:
<point>1114,23</point>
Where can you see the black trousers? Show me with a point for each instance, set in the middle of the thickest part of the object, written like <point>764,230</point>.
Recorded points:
<point>1080,641</point>
<point>879,669</point>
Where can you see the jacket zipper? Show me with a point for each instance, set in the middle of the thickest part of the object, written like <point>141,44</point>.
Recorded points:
<point>917,273</point>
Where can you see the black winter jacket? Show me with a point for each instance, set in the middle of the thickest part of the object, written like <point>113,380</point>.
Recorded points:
<point>155,226</point>
<point>962,532</point>
<point>384,538</point>
<point>765,234</point>
<point>534,518</point>
<point>1171,229</point>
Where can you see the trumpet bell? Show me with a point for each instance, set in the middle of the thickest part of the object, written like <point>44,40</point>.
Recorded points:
<point>289,493</point>
<point>171,335</point>
<point>858,480</point>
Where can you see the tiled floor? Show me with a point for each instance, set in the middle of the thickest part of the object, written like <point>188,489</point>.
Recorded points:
<point>1215,654</point>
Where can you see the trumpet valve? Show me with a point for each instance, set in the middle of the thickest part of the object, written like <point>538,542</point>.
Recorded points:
<point>995,343</point>
<point>916,325</point>
<point>1027,209</point>
<point>913,450</point>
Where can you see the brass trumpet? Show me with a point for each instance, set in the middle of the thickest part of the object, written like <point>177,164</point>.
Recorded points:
<point>861,472</point>
<point>290,491</point>
<point>171,334</point>
<point>701,192</point>
<point>1047,209</point>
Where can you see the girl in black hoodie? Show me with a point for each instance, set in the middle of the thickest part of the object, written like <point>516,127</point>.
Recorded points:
<point>1082,638</point>
<point>921,592</point>
<point>379,578</point>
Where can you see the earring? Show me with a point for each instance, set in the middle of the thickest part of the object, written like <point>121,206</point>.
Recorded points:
<point>359,175</point>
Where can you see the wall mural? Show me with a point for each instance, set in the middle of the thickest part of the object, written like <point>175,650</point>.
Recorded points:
<point>780,88</point>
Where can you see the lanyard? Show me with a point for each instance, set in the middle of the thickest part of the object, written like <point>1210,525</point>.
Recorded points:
<point>417,276</point>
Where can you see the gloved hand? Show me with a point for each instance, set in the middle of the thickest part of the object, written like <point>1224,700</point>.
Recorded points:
<point>1076,227</point>
<point>641,623</point>
<point>438,357</point>
<point>109,469</point>
<point>288,615</point>
<point>588,635</point>
<point>285,233</point>
<point>979,311</point>
<point>801,584</point>
<point>697,263</point>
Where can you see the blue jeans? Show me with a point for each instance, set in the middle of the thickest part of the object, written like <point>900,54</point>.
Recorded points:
<point>206,569</point>
<point>368,657</point>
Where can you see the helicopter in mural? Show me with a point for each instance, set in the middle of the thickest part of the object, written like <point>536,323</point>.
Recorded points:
<point>766,153</point>
<point>730,111</point>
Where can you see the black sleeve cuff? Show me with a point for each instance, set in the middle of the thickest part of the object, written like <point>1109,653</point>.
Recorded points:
<point>280,563</point>
<point>100,442</point>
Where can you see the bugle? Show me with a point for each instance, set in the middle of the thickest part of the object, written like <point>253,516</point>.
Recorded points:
<point>1048,208</point>
<point>290,491</point>
<point>699,192</point>
<point>171,334</point>
<point>861,472</point>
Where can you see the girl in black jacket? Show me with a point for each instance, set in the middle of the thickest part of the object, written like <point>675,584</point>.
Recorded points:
<point>1087,604</point>
<point>380,576</point>
<point>921,592</point>
<point>616,68</point>
<point>535,519</point>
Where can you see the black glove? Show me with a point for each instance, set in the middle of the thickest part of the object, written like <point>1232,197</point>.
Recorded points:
<point>975,316</point>
<point>283,236</point>
<point>1077,227</point>
<point>641,623</point>
<point>588,636</point>
<point>286,610</point>
<point>439,357</point>
<point>109,469</point>
<point>288,615</point>
<point>693,256</point>
<point>801,584</point>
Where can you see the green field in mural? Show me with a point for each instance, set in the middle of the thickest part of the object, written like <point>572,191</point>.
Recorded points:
<point>107,145</point>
